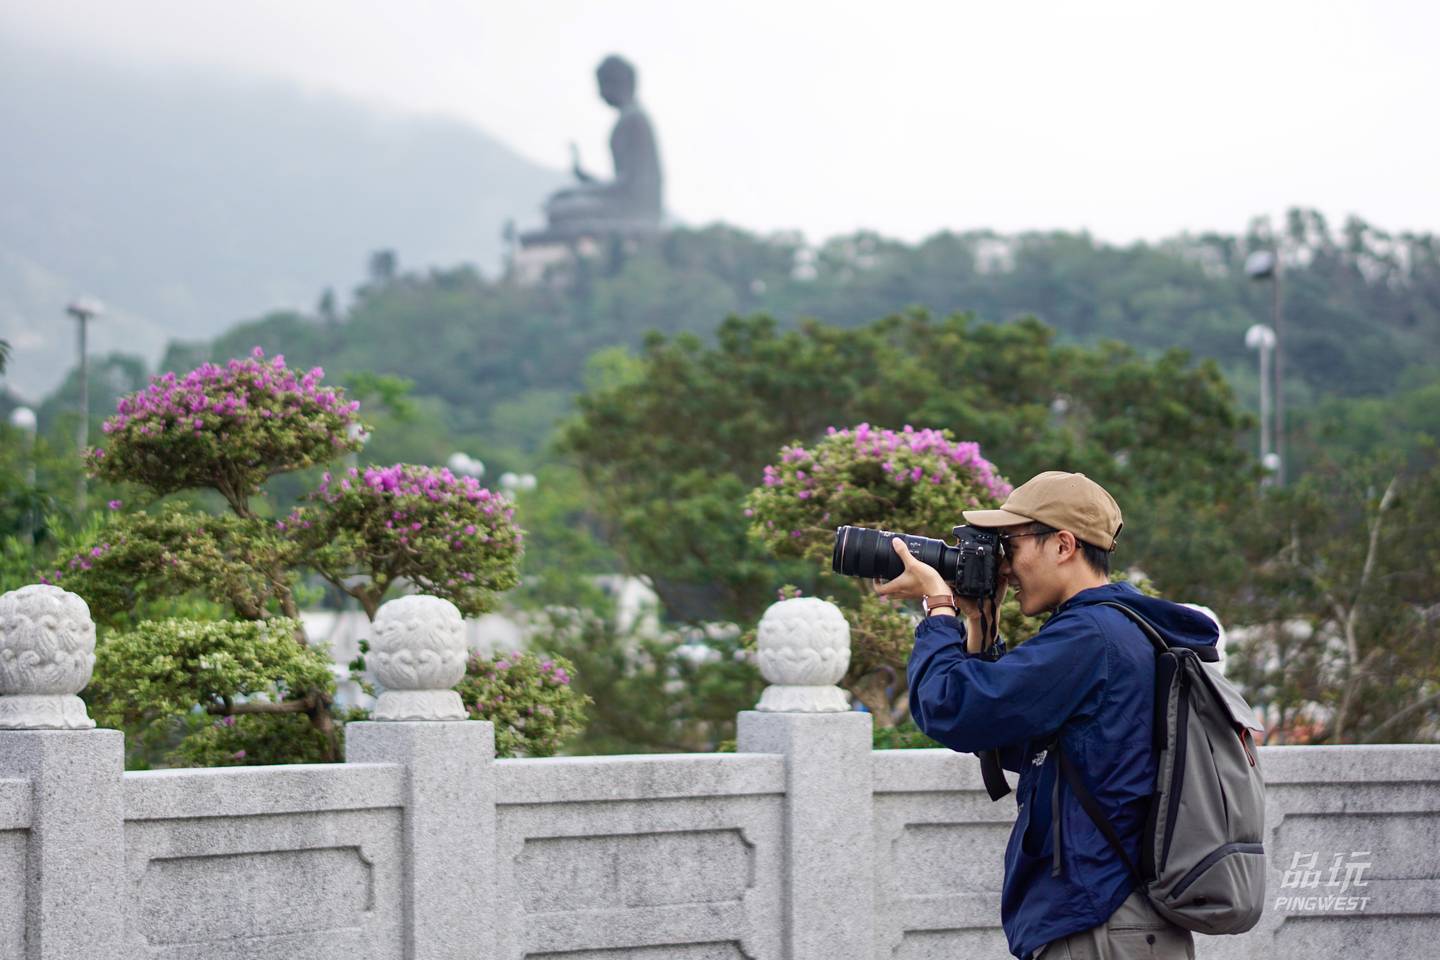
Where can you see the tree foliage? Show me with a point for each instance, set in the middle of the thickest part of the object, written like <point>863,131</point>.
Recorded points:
<point>446,535</point>
<point>165,668</point>
<point>1363,305</point>
<point>1162,434</point>
<point>529,698</point>
<point>227,428</point>
<point>918,481</point>
<point>675,690</point>
<point>1344,604</point>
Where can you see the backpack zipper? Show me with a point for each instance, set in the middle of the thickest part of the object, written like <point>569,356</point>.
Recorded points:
<point>1245,744</point>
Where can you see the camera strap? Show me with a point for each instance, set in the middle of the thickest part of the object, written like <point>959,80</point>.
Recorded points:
<point>990,770</point>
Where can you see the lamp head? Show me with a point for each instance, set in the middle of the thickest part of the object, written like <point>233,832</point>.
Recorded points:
<point>85,308</point>
<point>23,418</point>
<point>1260,265</point>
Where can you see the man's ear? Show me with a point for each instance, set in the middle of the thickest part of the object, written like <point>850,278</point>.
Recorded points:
<point>1069,546</point>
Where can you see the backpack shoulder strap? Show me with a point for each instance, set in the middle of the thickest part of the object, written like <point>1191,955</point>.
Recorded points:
<point>1066,769</point>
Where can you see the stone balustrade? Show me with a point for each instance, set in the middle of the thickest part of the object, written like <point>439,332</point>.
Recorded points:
<point>422,846</point>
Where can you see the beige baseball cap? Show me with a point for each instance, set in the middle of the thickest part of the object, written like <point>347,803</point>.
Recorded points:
<point>1065,501</point>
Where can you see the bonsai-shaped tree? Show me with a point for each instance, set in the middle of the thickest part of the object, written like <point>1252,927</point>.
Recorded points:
<point>228,429</point>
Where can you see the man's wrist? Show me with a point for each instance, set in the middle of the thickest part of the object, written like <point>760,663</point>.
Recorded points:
<point>939,603</point>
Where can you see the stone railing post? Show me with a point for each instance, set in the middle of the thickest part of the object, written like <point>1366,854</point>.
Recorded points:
<point>75,857</point>
<point>804,650</point>
<point>418,653</point>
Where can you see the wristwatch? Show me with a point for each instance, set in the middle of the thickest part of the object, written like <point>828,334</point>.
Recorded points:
<point>938,600</point>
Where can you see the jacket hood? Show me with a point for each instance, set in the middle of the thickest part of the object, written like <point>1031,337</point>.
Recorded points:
<point>1180,625</point>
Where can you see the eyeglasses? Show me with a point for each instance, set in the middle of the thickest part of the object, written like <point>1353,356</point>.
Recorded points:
<point>1005,539</point>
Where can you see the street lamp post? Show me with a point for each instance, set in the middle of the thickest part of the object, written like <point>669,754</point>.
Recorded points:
<point>83,310</point>
<point>23,419</point>
<point>1265,265</point>
<point>1262,338</point>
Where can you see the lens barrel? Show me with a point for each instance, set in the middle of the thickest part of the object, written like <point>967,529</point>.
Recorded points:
<point>862,552</point>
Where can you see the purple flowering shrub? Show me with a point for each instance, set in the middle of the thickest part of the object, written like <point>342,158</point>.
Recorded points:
<point>917,481</point>
<point>529,698</point>
<point>446,535</point>
<point>227,428</point>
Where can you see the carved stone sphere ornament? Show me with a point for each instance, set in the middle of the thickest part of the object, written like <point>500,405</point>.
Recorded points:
<point>47,652</point>
<point>418,652</point>
<point>804,651</point>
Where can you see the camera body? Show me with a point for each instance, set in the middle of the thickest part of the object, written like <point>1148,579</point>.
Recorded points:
<point>971,566</point>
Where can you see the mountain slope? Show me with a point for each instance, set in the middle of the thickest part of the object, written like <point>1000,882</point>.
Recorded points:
<point>188,199</point>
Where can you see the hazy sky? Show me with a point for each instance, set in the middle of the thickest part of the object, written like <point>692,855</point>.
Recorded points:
<point>1130,119</point>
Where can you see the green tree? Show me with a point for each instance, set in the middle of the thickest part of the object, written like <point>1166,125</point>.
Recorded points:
<point>446,535</point>
<point>37,486</point>
<point>249,677</point>
<point>672,690</point>
<point>1344,604</point>
<point>671,448</point>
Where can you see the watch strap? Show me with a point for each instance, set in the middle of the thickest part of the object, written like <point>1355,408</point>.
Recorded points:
<point>938,600</point>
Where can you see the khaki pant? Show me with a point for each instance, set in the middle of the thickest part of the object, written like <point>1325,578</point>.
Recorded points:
<point>1134,932</point>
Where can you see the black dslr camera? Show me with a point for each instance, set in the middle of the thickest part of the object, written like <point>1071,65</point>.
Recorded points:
<point>972,566</point>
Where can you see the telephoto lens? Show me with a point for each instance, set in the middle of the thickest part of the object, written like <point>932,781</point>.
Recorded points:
<point>862,552</point>
<point>972,567</point>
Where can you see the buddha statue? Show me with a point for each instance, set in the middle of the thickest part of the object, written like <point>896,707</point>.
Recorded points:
<point>630,203</point>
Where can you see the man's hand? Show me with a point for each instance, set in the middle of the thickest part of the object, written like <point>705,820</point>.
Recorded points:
<point>918,580</point>
<point>922,580</point>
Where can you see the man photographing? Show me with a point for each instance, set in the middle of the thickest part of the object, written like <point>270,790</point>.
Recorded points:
<point>1086,681</point>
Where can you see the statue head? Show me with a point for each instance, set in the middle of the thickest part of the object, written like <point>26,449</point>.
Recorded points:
<point>617,80</point>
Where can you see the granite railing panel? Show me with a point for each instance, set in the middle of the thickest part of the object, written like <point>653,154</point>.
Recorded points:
<point>299,861</point>
<point>14,838</point>
<point>939,857</point>
<point>1353,844</point>
<point>665,856</point>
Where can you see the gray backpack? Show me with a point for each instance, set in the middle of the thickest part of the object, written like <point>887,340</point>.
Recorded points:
<point>1202,862</point>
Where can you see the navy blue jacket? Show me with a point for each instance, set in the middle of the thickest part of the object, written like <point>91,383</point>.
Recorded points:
<point>1090,675</point>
